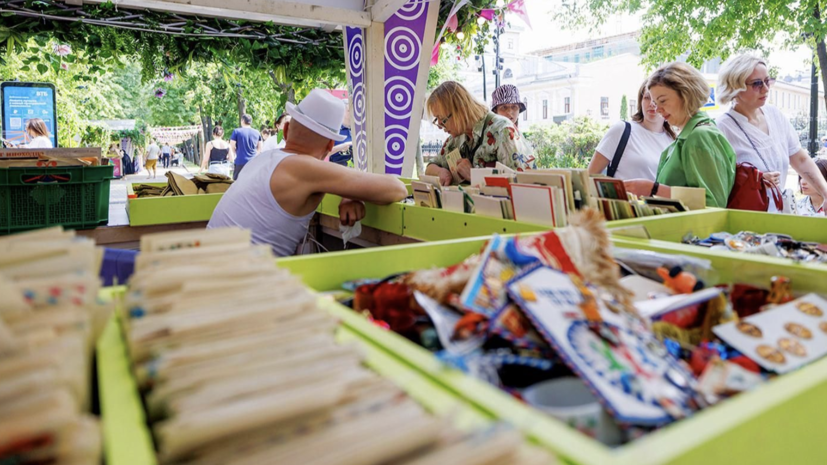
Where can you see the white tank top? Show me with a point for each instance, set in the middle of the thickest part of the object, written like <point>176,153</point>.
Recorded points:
<point>249,204</point>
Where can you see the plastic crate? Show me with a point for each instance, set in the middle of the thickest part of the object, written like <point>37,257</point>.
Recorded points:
<point>74,197</point>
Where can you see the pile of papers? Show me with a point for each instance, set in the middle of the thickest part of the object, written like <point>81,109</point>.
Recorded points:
<point>545,196</point>
<point>208,183</point>
<point>49,321</point>
<point>237,364</point>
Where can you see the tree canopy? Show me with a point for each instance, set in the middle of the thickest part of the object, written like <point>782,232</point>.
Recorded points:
<point>706,29</point>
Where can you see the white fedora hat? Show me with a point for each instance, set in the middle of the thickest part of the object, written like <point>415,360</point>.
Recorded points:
<point>320,112</point>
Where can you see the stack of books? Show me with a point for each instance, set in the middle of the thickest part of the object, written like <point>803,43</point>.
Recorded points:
<point>545,196</point>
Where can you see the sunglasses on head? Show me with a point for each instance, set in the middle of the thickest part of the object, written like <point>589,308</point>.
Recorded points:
<point>758,83</point>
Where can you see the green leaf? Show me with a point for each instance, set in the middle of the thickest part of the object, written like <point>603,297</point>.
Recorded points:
<point>42,68</point>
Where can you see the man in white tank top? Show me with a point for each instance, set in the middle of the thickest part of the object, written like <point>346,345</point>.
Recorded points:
<point>279,190</point>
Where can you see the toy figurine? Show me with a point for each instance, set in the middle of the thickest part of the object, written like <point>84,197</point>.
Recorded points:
<point>679,281</point>
<point>780,292</point>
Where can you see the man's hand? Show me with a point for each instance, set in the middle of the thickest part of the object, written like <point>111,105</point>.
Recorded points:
<point>464,169</point>
<point>445,177</point>
<point>351,211</point>
<point>773,177</point>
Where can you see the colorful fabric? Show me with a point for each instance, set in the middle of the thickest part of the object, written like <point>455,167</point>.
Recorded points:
<point>805,207</point>
<point>500,142</point>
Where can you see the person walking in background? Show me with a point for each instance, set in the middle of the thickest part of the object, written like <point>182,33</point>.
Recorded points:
<point>166,153</point>
<point>701,156</point>
<point>152,154</point>
<point>219,154</point>
<point>342,153</point>
<point>759,133</point>
<point>276,140</point>
<point>246,143</point>
<point>647,136</point>
<point>812,204</point>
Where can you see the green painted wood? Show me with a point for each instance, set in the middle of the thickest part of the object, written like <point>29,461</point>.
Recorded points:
<point>386,218</point>
<point>170,210</point>
<point>777,423</point>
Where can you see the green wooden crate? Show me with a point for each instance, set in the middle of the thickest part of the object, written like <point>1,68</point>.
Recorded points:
<point>170,210</point>
<point>128,441</point>
<point>667,231</point>
<point>778,423</point>
<point>386,218</point>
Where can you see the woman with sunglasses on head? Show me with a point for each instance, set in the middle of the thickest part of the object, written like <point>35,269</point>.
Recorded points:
<point>701,155</point>
<point>482,137</point>
<point>759,133</point>
<point>649,135</point>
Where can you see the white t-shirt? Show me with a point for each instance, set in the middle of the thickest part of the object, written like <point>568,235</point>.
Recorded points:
<point>39,142</point>
<point>272,143</point>
<point>153,151</point>
<point>775,148</point>
<point>642,154</point>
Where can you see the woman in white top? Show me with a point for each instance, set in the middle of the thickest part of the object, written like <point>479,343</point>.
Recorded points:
<point>759,133</point>
<point>650,135</point>
<point>276,140</point>
<point>37,130</point>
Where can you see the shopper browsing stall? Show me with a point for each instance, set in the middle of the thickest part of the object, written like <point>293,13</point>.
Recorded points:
<point>481,137</point>
<point>219,154</point>
<point>283,188</point>
<point>759,133</point>
<point>631,150</point>
<point>246,143</point>
<point>812,204</point>
<point>701,155</point>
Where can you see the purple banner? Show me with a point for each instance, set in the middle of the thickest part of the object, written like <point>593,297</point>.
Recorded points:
<point>404,33</point>
<point>356,65</point>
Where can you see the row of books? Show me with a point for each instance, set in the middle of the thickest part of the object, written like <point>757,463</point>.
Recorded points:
<point>545,196</point>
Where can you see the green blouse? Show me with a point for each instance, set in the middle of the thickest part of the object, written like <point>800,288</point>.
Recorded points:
<point>700,157</point>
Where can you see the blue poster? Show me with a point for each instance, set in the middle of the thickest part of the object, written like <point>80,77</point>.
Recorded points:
<point>23,101</point>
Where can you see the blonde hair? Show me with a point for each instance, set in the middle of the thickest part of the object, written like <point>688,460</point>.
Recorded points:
<point>732,79</point>
<point>687,81</point>
<point>455,100</point>
<point>38,127</point>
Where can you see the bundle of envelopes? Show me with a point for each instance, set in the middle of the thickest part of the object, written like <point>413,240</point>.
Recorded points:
<point>207,183</point>
<point>237,365</point>
<point>49,320</point>
<point>545,196</point>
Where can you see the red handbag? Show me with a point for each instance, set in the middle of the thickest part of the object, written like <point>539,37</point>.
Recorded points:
<point>751,191</point>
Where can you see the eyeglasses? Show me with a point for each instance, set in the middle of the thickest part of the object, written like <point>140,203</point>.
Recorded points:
<point>758,83</point>
<point>441,122</point>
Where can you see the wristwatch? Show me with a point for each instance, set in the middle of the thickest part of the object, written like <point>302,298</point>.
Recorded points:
<point>655,187</point>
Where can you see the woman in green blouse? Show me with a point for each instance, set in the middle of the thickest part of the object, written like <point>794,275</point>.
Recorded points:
<point>701,156</point>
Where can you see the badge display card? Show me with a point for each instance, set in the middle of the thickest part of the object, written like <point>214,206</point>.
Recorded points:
<point>629,378</point>
<point>489,206</point>
<point>453,200</point>
<point>784,338</point>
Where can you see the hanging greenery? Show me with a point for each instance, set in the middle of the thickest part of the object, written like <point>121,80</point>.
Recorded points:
<point>166,43</point>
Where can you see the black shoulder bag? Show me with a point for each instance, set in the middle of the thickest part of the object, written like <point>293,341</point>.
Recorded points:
<point>621,147</point>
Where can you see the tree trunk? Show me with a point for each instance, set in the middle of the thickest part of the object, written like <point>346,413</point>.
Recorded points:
<point>285,87</point>
<point>242,106</point>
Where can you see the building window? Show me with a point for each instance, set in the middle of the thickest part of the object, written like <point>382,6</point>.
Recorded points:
<point>632,107</point>
<point>510,44</point>
<point>567,105</point>
<point>598,52</point>
<point>604,107</point>
<point>545,108</point>
<point>525,113</point>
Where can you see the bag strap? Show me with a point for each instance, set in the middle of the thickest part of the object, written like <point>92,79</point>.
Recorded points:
<point>750,141</point>
<point>621,147</point>
<point>482,136</point>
